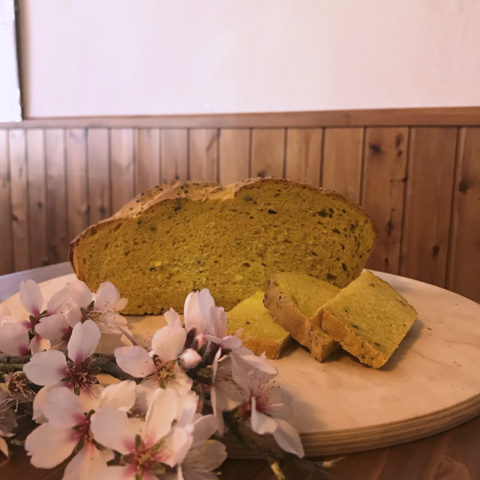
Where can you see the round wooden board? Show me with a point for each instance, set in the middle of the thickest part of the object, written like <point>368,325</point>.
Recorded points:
<point>430,384</point>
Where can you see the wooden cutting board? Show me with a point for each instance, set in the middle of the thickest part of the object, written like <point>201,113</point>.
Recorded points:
<point>430,384</point>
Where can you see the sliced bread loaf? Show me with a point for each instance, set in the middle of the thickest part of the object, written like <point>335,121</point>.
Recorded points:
<point>186,236</point>
<point>293,299</point>
<point>369,319</point>
<point>253,323</point>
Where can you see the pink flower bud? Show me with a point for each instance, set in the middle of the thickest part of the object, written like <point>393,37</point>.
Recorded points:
<point>190,358</point>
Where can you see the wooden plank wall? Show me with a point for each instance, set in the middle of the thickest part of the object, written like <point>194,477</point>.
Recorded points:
<point>421,183</point>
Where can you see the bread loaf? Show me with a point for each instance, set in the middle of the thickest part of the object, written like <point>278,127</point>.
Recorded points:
<point>293,299</point>
<point>253,323</point>
<point>369,319</point>
<point>186,236</point>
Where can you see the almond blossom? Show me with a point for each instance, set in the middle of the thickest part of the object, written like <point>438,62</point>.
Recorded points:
<point>148,446</point>
<point>159,367</point>
<point>68,429</point>
<point>103,308</point>
<point>51,368</point>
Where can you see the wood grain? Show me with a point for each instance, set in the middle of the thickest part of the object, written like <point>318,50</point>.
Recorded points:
<point>304,155</point>
<point>234,151</point>
<point>57,223</point>
<point>175,154</point>
<point>77,181</point>
<point>99,181</point>
<point>203,155</point>
<point>445,116</point>
<point>268,152</point>
<point>342,161</point>
<point>122,159</point>
<point>383,192</point>
<point>37,197</point>
<point>428,204</point>
<point>147,166</point>
<point>19,195</point>
<point>464,255</point>
<point>7,263</point>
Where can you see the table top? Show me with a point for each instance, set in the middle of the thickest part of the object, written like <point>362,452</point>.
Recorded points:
<point>449,455</point>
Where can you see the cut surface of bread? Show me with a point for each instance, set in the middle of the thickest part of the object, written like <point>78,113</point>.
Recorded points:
<point>293,298</point>
<point>369,318</point>
<point>253,323</point>
<point>181,237</point>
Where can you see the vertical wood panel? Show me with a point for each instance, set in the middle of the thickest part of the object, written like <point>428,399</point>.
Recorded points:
<point>342,161</point>
<point>268,152</point>
<point>175,154</point>
<point>7,264</point>
<point>464,261</point>
<point>37,197</point>
<point>428,204</point>
<point>77,185</point>
<point>56,195</point>
<point>19,174</point>
<point>304,155</point>
<point>98,152</point>
<point>204,154</point>
<point>234,161</point>
<point>383,192</point>
<point>147,172</point>
<point>123,166</point>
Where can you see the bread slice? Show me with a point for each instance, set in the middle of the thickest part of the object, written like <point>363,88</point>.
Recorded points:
<point>293,299</point>
<point>181,237</point>
<point>252,322</point>
<point>369,319</point>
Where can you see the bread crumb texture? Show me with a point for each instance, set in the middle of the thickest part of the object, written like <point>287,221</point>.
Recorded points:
<point>369,319</point>
<point>253,323</point>
<point>181,237</point>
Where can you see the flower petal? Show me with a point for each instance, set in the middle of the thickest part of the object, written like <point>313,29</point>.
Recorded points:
<point>190,358</point>
<point>49,445</point>
<point>31,297</point>
<point>134,360</point>
<point>87,463</point>
<point>205,457</point>
<point>160,415</point>
<point>107,297</point>
<point>62,408</point>
<point>288,438</point>
<point>84,341</point>
<point>14,339</point>
<point>260,422</point>
<point>120,395</point>
<point>46,368</point>
<point>279,402</point>
<point>192,315</point>
<point>203,429</point>
<point>172,318</point>
<point>176,446</point>
<point>39,344</point>
<point>58,302</point>
<point>113,429</point>
<point>168,342</point>
<point>80,293</point>
<point>117,473</point>
<point>53,327</point>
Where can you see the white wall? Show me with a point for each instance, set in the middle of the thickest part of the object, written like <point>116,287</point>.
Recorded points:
<point>10,109</point>
<point>115,57</point>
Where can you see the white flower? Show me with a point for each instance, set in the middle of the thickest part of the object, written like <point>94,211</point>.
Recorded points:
<point>268,406</point>
<point>205,454</point>
<point>146,445</point>
<point>159,368</point>
<point>14,337</point>
<point>69,425</point>
<point>103,308</point>
<point>51,368</point>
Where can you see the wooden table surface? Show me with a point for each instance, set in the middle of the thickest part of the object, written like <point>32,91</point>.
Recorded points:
<point>453,454</point>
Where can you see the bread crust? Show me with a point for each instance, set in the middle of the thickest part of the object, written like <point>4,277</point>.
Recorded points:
<point>287,314</point>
